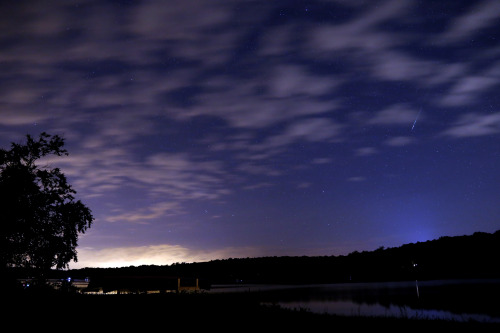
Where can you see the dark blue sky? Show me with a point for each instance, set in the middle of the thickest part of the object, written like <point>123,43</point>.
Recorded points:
<point>201,130</point>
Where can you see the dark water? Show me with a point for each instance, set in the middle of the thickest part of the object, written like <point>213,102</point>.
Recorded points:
<point>460,300</point>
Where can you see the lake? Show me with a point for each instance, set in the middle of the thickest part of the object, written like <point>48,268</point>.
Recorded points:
<point>459,300</point>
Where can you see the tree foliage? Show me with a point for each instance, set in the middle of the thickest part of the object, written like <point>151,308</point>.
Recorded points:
<point>40,219</point>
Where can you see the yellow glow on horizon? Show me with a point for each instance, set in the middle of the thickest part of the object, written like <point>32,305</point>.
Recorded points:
<point>163,254</point>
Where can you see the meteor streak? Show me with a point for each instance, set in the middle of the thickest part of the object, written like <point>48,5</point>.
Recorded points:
<point>416,119</point>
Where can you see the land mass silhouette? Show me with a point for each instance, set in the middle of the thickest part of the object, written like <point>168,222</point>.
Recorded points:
<point>458,257</point>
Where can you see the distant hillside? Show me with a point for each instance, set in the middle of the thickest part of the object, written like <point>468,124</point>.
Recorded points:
<point>474,256</point>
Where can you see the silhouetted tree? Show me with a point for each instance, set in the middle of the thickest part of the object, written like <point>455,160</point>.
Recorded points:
<point>39,216</point>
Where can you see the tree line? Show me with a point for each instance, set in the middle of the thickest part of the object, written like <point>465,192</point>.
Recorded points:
<point>459,257</point>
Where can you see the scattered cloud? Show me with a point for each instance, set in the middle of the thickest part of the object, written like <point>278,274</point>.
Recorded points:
<point>322,160</point>
<point>399,141</point>
<point>467,25</point>
<point>400,114</point>
<point>15,118</point>
<point>472,125</point>
<point>309,130</point>
<point>468,89</point>
<point>397,66</point>
<point>366,151</point>
<point>145,214</point>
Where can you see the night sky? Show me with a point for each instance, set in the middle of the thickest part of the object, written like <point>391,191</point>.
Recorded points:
<point>209,129</point>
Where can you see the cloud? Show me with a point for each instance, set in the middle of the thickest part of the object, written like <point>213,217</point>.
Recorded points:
<point>181,176</point>
<point>166,181</point>
<point>366,151</point>
<point>372,52</point>
<point>322,160</point>
<point>300,130</point>
<point>472,125</point>
<point>11,117</point>
<point>468,89</point>
<point>399,114</point>
<point>398,66</point>
<point>253,168</point>
<point>304,185</point>
<point>258,186</point>
<point>145,214</point>
<point>253,105</point>
<point>447,73</point>
<point>179,21</point>
<point>288,80</point>
<point>399,141</point>
<point>361,33</point>
<point>277,41</point>
<point>480,16</point>
<point>311,130</point>
<point>366,48</point>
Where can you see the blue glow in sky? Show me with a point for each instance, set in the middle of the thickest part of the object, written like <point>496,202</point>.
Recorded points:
<point>204,129</point>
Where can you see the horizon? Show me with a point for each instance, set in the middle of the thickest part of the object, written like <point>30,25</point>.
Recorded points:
<point>271,256</point>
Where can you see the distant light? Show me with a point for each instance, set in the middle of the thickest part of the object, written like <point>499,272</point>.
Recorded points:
<point>68,279</point>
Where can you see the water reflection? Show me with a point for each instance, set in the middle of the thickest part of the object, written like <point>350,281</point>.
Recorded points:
<point>350,308</point>
<point>460,300</point>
